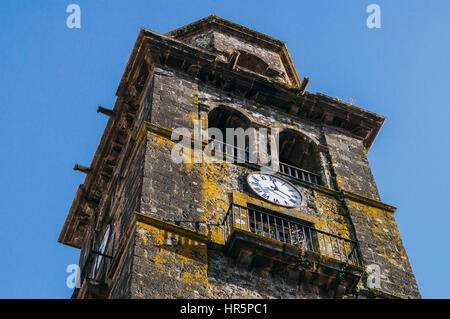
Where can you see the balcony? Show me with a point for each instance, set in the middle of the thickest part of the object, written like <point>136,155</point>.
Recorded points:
<point>94,276</point>
<point>299,174</point>
<point>257,238</point>
<point>288,230</point>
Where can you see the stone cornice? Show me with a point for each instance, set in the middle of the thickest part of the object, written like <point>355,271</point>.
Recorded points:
<point>72,221</point>
<point>213,22</point>
<point>369,201</point>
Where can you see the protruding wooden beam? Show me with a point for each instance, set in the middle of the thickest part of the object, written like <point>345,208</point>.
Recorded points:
<point>303,86</point>
<point>105,111</point>
<point>82,169</point>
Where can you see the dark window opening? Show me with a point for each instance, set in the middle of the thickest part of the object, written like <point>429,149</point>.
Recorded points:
<point>224,117</point>
<point>251,62</point>
<point>299,157</point>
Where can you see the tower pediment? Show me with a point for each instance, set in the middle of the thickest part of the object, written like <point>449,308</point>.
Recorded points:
<point>242,47</point>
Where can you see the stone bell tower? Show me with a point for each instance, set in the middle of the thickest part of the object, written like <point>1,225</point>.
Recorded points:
<point>151,227</point>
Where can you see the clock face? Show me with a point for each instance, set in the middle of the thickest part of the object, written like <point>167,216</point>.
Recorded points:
<point>274,189</point>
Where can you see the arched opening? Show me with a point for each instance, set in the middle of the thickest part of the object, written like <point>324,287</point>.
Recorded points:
<point>237,144</point>
<point>251,62</point>
<point>255,64</point>
<point>223,117</point>
<point>299,156</point>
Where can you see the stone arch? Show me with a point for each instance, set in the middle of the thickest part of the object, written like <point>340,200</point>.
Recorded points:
<point>251,62</point>
<point>223,117</point>
<point>298,150</point>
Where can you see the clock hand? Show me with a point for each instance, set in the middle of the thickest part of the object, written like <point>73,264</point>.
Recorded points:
<point>282,192</point>
<point>270,190</point>
<point>273,183</point>
<point>284,195</point>
<point>277,189</point>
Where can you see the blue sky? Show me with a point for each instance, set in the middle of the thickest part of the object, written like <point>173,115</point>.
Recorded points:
<point>52,78</point>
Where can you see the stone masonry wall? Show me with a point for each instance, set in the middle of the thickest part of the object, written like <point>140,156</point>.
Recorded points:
<point>203,192</point>
<point>350,164</point>
<point>379,239</point>
<point>184,193</point>
<point>190,269</point>
<point>223,45</point>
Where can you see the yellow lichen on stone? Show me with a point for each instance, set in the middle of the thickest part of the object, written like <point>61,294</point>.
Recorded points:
<point>188,254</point>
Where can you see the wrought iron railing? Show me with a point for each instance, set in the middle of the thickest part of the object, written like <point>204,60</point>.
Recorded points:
<point>223,151</point>
<point>96,266</point>
<point>98,261</point>
<point>299,173</point>
<point>289,230</point>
